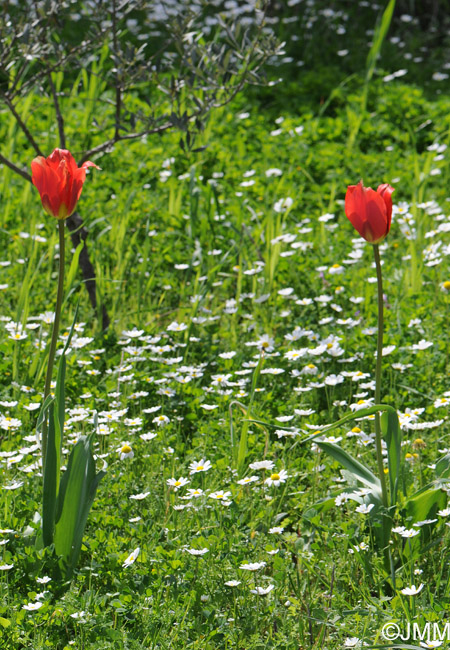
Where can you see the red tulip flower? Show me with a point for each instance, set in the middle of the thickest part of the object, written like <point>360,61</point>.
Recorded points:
<point>59,181</point>
<point>370,212</point>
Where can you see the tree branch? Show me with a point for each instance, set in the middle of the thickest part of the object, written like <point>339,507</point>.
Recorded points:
<point>22,125</point>
<point>128,136</point>
<point>79,233</point>
<point>14,168</point>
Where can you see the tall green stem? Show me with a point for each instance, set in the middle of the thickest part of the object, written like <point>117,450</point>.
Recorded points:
<point>55,330</point>
<point>378,374</point>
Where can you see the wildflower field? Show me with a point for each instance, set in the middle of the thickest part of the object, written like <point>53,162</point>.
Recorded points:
<point>176,478</point>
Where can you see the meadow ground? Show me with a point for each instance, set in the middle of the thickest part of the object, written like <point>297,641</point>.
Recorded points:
<point>238,290</point>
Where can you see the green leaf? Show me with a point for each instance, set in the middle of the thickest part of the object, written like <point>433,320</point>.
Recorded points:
<point>321,506</point>
<point>426,502</point>
<point>72,327</point>
<point>443,467</point>
<point>51,476</point>
<point>382,522</point>
<point>360,413</point>
<point>423,505</point>
<point>242,448</point>
<point>60,400</point>
<point>42,416</point>
<point>378,39</point>
<point>74,266</point>
<point>77,491</point>
<point>392,433</point>
<point>357,469</point>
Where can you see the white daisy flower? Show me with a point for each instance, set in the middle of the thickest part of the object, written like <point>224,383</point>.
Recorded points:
<point>276,478</point>
<point>131,559</point>
<point>413,590</point>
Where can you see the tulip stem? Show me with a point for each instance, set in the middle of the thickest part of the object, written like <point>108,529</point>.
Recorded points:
<point>55,330</point>
<point>376,252</point>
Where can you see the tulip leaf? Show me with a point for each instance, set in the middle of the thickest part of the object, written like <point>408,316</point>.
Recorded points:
<point>54,410</point>
<point>354,415</point>
<point>321,506</point>
<point>42,415</point>
<point>426,502</point>
<point>51,472</point>
<point>392,433</point>
<point>424,505</point>
<point>242,447</point>
<point>442,468</point>
<point>357,469</point>
<point>52,468</point>
<point>378,39</point>
<point>74,266</point>
<point>77,491</point>
<point>71,331</point>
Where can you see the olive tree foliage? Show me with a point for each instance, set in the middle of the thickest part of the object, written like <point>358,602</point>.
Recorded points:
<point>157,66</point>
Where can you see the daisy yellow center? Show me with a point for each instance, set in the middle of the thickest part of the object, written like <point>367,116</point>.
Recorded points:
<point>265,344</point>
<point>329,345</point>
<point>356,430</point>
<point>275,477</point>
<point>311,365</point>
<point>361,401</point>
<point>177,483</point>
<point>446,285</point>
<point>126,449</point>
<point>199,467</point>
<point>335,266</point>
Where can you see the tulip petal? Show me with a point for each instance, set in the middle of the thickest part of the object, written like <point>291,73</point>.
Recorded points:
<point>45,178</point>
<point>367,210</point>
<point>385,191</point>
<point>59,181</point>
<point>89,163</point>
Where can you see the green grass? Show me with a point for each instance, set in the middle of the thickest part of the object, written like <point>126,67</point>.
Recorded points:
<point>230,291</point>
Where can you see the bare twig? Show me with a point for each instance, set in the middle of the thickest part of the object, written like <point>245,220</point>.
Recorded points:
<point>15,168</point>
<point>127,136</point>
<point>22,125</point>
<point>78,234</point>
